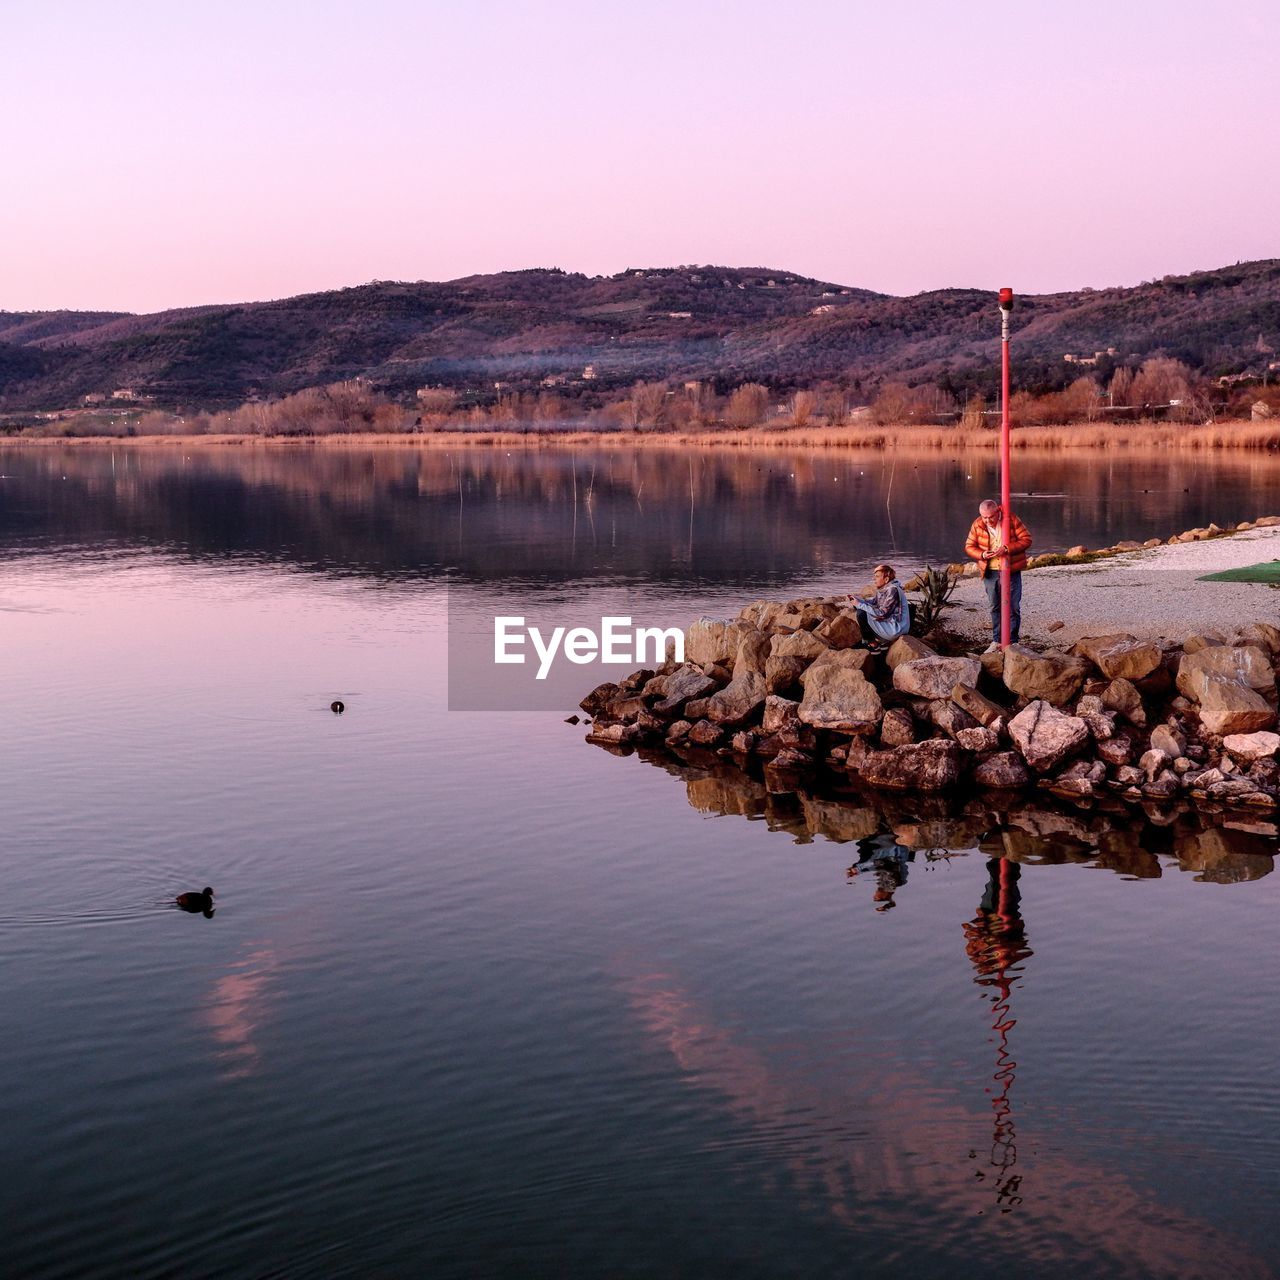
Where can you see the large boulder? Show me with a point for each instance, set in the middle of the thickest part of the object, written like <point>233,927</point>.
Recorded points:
<point>683,683</point>
<point>1247,665</point>
<point>1046,677</point>
<point>840,698</point>
<point>1122,696</point>
<point>753,653</point>
<point>1252,746</point>
<point>1260,634</point>
<point>738,701</point>
<point>1120,657</point>
<point>713,640</point>
<point>1003,771</point>
<point>783,674</point>
<point>978,740</point>
<point>799,644</point>
<point>599,698</point>
<point>921,766</point>
<point>779,713</point>
<point>898,728</point>
<point>1169,740</point>
<point>842,631</point>
<point>907,649</point>
<point>840,660</point>
<point>978,705</point>
<point>1228,707</point>
<point>1046,737</point>
<point>950,718</point>
<point>935,678</point>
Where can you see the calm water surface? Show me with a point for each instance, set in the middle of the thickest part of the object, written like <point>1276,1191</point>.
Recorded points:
<point>479,999</point>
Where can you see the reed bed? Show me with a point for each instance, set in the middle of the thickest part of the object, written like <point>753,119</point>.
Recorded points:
<point>1246,435</point>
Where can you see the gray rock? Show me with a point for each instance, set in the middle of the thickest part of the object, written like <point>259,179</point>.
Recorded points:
<point>1153,762</point>
<point>950,718</point>
<point>799,644</point>
<point>1120,657</point>
<point>907,649</point>
<point>713,640</point>
<point>1045,736</point>
<point>840,698</point>
<point>898,728</point>
<point>1167,739</point>
<point>753,652</point>
<point>1252,746</point>
<point>1122,696</point>
<point>935,678</point>
<point>738,701</point>
<point>979,740</point>
<point>1228,707</point>
<point>1247,666</point>
<point>682,684</point>
<point>920,766</point>
<point>1003,771</point>
<point>978,705</point>
<point>1047,677</point>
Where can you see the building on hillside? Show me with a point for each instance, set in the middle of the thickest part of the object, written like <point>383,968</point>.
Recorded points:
<point>589,373</point>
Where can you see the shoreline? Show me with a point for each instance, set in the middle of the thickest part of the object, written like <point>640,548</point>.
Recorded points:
<point>1152,593</point>
<point>1235,435</point>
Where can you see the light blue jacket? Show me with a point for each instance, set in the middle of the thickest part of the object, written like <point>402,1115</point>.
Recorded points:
<point>896,623</point>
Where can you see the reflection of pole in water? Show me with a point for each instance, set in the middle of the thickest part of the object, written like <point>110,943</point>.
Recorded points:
<point>996,942</point>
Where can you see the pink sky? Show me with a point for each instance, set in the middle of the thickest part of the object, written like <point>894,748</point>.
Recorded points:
<point>162,155</point>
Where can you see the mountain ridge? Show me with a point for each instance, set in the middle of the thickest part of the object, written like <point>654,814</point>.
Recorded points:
<point>590,334</point>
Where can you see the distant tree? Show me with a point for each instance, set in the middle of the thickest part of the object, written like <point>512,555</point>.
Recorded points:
<point>894,404</point>
<point>1121,388</point>
<point>1160,381</point>
<point>646,404</point>
<point>802,407</point>
<point>1081,401</point>
<point>747,405</point>
<point>974,417</point>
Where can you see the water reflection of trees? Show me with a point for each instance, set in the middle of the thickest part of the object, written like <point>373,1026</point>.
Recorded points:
<point>659,514</point>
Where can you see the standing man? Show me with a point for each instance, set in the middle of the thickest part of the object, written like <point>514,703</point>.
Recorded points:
<point>985,546</point>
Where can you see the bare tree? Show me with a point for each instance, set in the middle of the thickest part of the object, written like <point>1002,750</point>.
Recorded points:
<point>747,405</point>
<point>802,407</point>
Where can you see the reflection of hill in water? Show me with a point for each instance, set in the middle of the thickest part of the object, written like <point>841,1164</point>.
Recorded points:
<point>1215,851</point>
<point>553,515</point>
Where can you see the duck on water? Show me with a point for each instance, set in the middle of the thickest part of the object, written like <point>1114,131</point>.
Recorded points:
<point>193,901</point>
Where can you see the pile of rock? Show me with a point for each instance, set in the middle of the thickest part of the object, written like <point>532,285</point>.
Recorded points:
<point>793,685</point>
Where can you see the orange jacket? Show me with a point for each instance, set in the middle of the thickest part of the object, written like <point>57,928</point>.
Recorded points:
<point>982,539</point>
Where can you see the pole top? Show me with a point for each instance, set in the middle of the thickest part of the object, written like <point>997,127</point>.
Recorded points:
<point>1006,299</point>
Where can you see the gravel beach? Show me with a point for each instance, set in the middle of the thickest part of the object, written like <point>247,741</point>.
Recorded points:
<point>1151,593</point>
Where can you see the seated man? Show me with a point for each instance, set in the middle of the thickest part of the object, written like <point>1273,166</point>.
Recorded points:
<point>886,615</point>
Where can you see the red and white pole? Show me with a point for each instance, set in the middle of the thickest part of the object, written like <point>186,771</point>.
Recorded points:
<point>1006,575</point>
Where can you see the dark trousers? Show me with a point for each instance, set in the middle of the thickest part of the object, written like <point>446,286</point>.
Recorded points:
<point>991,583</point>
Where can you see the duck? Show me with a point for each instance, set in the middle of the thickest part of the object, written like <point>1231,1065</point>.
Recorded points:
<point>192,901</point>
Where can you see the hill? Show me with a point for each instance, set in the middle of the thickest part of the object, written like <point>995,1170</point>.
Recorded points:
<point>590,334</point>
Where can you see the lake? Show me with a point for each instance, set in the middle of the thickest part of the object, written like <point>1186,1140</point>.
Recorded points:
<point>481,999</point>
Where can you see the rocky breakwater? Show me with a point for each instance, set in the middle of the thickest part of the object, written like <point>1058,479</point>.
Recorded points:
<point>793,686</point>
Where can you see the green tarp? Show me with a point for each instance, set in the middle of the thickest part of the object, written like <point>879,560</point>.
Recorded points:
<point>1268,572</point>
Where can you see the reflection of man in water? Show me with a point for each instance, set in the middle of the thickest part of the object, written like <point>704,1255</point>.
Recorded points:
<point>887,860</point>
<point>996,942</point>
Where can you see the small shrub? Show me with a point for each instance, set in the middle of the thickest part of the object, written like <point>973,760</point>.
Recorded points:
<point>936,587</point>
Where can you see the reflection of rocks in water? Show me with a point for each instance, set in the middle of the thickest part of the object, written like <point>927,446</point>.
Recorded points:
<point>838,820</point>
<point>1113,838</point>
<point>1225,856</point>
